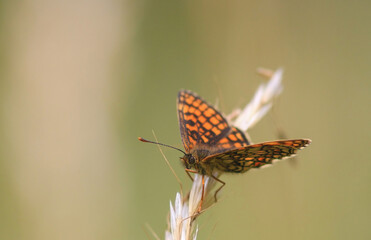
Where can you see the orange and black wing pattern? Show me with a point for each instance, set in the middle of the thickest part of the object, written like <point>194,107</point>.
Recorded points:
<point>234,139</point>
<point>202,124</point>
<point>254,156</point>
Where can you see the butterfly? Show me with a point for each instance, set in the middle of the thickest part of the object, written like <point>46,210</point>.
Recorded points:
<point>212,145</point>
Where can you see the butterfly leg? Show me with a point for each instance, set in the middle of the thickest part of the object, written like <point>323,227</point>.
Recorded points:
<point>220,188</point>
<point>202,194</point>
<point>188,173</point>
<point>203,187</point>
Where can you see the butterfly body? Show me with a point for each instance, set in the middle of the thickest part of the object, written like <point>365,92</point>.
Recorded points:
<point>193,160</point>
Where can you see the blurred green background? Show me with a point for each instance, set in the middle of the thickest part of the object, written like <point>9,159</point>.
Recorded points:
<point>81,80</point>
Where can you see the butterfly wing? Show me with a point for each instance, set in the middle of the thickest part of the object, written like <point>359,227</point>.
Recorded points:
<point>199,122</point>
<point>254,156</point>
<point>234,139</point>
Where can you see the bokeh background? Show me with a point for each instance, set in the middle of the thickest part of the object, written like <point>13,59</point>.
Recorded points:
<point>81,80</point>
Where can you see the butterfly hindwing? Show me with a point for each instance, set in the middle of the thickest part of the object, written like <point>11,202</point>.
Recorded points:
<point>254,156</point>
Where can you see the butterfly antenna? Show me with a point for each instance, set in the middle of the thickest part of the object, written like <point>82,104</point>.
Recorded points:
<point>148,141</point>
<point>171,168</point>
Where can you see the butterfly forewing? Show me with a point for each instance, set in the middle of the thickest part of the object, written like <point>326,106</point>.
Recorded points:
<point>254,156</point>
<point>199,122</point>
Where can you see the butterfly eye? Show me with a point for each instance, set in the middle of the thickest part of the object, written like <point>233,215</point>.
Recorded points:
<point>191,160</point>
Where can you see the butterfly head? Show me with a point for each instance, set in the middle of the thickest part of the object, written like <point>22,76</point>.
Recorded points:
<point>188,160</point>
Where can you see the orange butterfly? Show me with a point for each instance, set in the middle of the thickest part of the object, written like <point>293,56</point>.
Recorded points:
<point>211,145</point>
